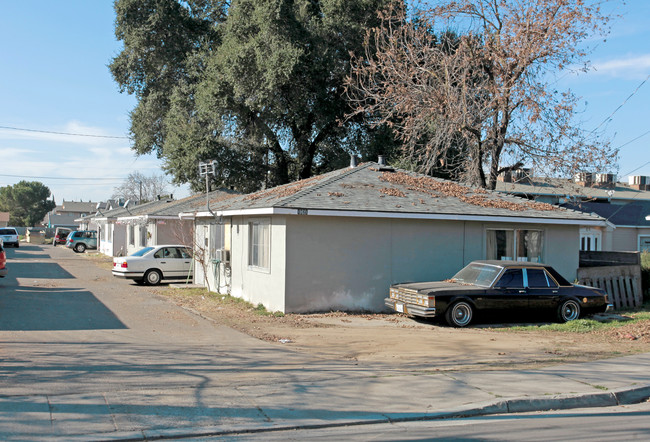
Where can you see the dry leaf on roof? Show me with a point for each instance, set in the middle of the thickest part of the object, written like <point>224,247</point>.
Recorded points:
<point>337,194</point>
<point>474,196</point>
<point>392,192</point>
<point>282,191</point>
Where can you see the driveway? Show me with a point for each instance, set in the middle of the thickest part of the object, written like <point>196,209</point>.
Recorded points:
<point>74,338</point>
<point>85,356</point>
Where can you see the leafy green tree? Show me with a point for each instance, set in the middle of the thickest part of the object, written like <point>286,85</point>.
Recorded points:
<point>255,85</point>
<point>27,202</point>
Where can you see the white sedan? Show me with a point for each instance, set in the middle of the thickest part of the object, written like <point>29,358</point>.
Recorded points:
<point>152,265</point>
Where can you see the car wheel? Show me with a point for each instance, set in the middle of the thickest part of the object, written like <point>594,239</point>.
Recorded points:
<point>80,248</point>
<point>459,314</point>
<point>569,310</point>
<point>153,277</point>
<point>17,245</point>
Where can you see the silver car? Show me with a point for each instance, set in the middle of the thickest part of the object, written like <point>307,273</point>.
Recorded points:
<point>9,236</point>
<point>152,265</point>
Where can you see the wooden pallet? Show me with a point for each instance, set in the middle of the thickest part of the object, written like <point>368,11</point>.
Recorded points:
<point>622,283</point>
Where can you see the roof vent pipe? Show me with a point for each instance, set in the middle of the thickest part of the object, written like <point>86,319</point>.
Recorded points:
<point>354,161</point>
<point>381,160</point>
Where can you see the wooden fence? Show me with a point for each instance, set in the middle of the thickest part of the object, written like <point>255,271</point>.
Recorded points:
<point>618,273</point>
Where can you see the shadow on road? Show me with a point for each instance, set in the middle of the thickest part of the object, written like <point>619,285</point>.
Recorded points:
<point>59,308</point>
<point>49,270</point>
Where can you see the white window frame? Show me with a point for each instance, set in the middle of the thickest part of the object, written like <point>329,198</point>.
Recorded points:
<point>515,243</point>
<point>591,240</point>
<point>255,224</point>
<point>131,235</point>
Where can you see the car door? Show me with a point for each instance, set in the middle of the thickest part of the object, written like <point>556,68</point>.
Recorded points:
<point>543,292</point>
<point>181,261</point>
<point>165,262</point>
<point>508,292</point>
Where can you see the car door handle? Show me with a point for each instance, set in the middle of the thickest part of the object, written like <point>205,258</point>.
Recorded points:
<point>522,291</point>
<point>163,262</point>
<point>554,292</point>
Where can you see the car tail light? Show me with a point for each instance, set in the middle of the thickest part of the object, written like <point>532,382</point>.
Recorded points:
<point>124,265</point>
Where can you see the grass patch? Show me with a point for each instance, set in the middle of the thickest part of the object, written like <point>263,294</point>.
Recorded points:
<point>588,325</point>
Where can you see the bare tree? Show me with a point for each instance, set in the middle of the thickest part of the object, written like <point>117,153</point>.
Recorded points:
<point>486,96</point>
<point>139,187</point>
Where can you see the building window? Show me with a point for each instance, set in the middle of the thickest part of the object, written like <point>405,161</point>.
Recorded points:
<point>259,243</point>
<point>109,232</point>
<point>517,245</point>
<point>216,239</point>
<point>590,240</point>
<point>131,235</point>
<point>143,236</point>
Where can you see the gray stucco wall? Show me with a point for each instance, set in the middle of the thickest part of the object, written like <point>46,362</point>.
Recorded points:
<point>256,285</point>
<point>349,263</point>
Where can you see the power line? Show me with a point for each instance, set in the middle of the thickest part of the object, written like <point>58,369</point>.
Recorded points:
<point>622,104</point>
<point>63,133</point>
<point>63,178</point>
<point>634,139</point>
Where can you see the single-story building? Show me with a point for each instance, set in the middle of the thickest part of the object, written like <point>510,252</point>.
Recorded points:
<point>126,229</point>
<point>339,240</point>
<point>631,232</point>
<point>4,219</point>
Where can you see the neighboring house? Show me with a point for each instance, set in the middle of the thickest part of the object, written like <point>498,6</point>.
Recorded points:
<point>4,219</point>
<point>68,213</point>
<point>632,232</point>
<point>126,229</point>
<point>597,193</point>
<point>339,240</point>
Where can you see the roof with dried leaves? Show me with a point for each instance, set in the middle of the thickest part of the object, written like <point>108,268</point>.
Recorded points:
<point>371,188</point>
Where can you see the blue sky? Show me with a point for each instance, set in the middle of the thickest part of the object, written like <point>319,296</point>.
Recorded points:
<point>54,78</point>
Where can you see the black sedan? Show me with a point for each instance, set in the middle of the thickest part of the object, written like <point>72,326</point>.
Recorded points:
<point>485,286</point>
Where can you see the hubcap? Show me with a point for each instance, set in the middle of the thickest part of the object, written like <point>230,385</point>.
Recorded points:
<point>462,314</point>
<point>570,311</point>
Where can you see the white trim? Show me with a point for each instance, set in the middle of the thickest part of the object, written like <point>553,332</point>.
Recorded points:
<point>400,215</point>
<point>146,217</point>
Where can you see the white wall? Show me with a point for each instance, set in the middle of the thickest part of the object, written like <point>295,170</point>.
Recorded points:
<point>255,285</point>
<point>349,263</point>
<point>329,263</point>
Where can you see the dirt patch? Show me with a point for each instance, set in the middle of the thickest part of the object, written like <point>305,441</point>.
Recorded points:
<point>400,340</point>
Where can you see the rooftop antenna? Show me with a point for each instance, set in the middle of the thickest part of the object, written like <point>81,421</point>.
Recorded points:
<point>206,169</point>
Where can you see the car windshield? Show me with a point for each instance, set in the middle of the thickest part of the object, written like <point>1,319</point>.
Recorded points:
<point>477,274</point>
<point>142,251</point>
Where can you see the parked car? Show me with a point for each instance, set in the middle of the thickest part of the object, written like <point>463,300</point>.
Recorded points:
<point>61,235</point>
<point>152,265</point>
<point>9,236</point>
<point>3,261</point>
<point>489,286</point>
<point>80,240</point>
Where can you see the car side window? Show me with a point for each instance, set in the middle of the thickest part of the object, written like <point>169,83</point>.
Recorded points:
<point>512,278</point>
<point>160,253</point>
<point>185,253</point>
<point>537,278</point>
<point>174,253</point>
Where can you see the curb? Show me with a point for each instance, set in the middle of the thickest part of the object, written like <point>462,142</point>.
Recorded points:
<point>620,396</point>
